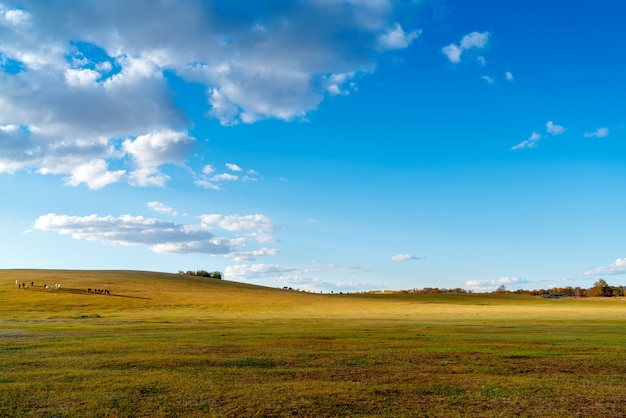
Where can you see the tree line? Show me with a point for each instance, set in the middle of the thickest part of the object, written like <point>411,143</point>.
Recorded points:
<point>202,273</point>
<point>599,289</point>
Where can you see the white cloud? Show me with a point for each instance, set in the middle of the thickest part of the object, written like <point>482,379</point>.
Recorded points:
<point>405,257</point>
<point>161,208</point>
<point>509,76</point>
<point>130,230</point>
<point>15,17</point>
<point>81,78</point>
<point>94,174</point>
<point>164,237</point>
<point>99,80</point>
<point>224,177</point>
<point>153,150</point>
<point>531,142</point>
<point>158,148</point>
<point>252,255</point>
<point>488,79</point>
<point>473,40</point>
<point>233,167</point>
<point>453,53</point>
<point>599,133</point>
<point>207,169</point>
<point>490,285</point>
<point>260,271</point>
<point>554,129</point>
<point>551,129</point>
<point>617,267</point>
<point>292,277</point>
<point>206,184</point>
<point>237,223</point>
<point>397,38</point>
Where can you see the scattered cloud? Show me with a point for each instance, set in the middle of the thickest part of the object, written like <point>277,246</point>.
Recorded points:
<point>617,267</point>
<point>162,236</point>
<point>473,40</point>
<point>509,76</point>
<point>209,180</point>
<point>489,80</point>
<point>533,140</point>
<point>599,133</point>
<point>490,285</point>
<point>406,257</point>
<point>292,277</point>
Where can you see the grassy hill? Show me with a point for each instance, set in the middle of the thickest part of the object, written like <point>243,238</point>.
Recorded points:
<point>171,345</point>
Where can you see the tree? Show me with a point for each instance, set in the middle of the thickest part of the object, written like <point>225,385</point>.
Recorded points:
<point>600,288</point>
<point>501,289</point>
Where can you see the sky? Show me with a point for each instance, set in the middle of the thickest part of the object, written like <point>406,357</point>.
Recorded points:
<point>320,145</point>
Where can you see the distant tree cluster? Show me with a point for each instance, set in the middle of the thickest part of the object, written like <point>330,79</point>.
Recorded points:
<point>202,273</point>
<point>600,289</point>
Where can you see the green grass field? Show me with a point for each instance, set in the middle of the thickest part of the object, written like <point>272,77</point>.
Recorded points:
<point>165,345</point>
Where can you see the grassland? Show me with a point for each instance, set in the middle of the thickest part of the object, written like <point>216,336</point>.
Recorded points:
<point>164,345</point>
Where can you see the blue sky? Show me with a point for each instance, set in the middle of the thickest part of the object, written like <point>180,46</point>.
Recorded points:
<point>321,145</point>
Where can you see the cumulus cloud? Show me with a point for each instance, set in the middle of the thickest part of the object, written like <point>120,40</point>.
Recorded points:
<point>405,257</point>
<point>617,267</point>
<point>490,285</point>
<point>161,236</point>
<point>509,76</point>
<point>152,150</point>
<point>98,72</point>
<point>473,40</point>
<point>396,38</point>
<point>599,133</point>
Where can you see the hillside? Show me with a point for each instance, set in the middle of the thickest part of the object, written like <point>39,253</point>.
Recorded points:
<point>174,297</point>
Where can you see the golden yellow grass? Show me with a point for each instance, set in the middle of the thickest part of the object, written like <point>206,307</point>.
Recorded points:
<point>170,345</point>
